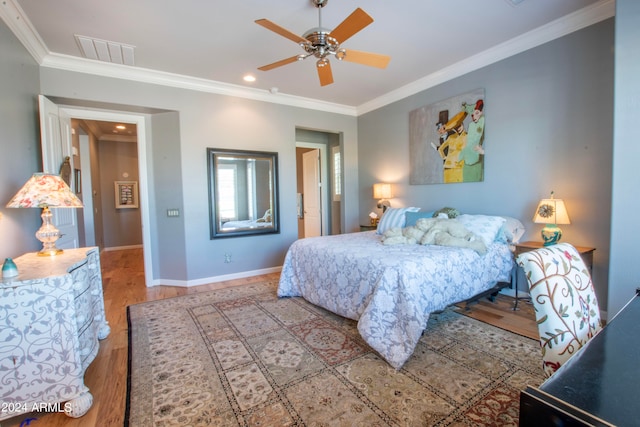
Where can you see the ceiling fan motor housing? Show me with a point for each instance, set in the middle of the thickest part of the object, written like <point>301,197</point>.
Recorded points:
<point>320,43</point>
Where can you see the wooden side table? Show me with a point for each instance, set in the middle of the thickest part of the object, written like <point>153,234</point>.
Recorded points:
<point>367,227</point>
<point>585,252</point>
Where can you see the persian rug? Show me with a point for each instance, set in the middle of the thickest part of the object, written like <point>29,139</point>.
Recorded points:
<point>242,357</point>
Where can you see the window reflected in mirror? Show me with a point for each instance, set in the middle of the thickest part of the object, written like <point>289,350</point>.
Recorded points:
<point>243,192</point>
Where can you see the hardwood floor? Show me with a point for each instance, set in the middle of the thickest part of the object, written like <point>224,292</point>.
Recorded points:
<point>501,314</point>
<point>123,284</point>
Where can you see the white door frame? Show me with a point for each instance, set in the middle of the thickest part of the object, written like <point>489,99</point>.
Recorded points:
<point>324,176</point>
<point>140,121</point>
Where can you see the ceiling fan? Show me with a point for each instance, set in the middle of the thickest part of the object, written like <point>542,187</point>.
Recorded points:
<point>320,43</point>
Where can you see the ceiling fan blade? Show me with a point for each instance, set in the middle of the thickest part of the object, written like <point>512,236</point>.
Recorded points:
<point>279,30</point>
<point>366,58</point>
<point>325,74</point>
<point>351,25</point>
<point>278,63</point>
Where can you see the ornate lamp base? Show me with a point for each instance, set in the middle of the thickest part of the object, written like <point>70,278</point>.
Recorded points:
<point>551,234</point>
<point>48,234</point>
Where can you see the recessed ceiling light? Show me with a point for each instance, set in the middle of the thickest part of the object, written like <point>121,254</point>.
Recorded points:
<point>121,127</point>
<point>249,78</point>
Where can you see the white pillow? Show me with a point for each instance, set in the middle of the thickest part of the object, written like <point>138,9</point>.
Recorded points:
<point>394,217</point>
<point>512,230</point>
<point>484,226</point>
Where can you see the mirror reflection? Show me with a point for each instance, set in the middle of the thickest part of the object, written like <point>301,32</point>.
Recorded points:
<point>242,192</point>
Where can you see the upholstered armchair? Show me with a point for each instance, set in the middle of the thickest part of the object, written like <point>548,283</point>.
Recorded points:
<point>564,299</point>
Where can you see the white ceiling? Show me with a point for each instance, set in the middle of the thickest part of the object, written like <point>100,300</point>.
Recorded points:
<point>212,44</point>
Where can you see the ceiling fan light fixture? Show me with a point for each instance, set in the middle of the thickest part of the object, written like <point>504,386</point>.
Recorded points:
<point>322,62</point>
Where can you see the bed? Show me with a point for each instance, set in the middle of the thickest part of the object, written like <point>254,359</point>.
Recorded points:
<point>389,290</point>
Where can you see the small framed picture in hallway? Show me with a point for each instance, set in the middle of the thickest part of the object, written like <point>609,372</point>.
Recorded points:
<point>126,193</point>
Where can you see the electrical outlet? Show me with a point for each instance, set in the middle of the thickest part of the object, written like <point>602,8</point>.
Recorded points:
<point>173,212</point>
<point>227,257</point>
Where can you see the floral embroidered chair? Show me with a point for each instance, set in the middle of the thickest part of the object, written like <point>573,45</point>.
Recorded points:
<point>564,299</point>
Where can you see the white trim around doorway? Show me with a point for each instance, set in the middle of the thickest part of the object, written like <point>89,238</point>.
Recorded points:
<point>141,122</point>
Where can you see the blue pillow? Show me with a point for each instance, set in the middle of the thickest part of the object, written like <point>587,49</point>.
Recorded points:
<point>393,218</point>
<point>412,217</point>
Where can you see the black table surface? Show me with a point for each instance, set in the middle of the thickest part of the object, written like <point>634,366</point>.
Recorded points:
<point>603,378</point>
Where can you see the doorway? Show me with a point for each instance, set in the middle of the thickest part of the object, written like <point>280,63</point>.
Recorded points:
<point>311,190</point>
<point>108,155</point>
<point>319,183</point>
<point>139,121</point>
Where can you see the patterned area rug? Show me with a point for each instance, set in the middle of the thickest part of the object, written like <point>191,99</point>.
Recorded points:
<point>241,356</point>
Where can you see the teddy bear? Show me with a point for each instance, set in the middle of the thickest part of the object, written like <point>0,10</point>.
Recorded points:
<point>435,231</point>
<point>394,236</point>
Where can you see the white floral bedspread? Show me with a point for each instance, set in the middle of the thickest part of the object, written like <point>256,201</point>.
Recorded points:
<point>389,290</point>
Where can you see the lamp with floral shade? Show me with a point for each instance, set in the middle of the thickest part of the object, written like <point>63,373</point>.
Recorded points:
<point>551,212</point>
<point>45,190</point>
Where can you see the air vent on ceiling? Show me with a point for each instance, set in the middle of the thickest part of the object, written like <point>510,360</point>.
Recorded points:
<point>104,50</point>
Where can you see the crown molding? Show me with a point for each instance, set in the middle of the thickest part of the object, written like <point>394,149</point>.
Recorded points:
<point>15,18</point>
<point>560,27</point>
<point>19,23</point>
<point>119,71</point>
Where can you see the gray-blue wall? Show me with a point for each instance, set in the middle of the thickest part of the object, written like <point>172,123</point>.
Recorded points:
<point>625,227</point>
<point>19,143</point>
<point>211,120</point>
<point>548,127</point>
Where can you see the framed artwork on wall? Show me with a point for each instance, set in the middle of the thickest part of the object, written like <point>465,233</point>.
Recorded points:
<point>126,194</point>
<point>446,140</point>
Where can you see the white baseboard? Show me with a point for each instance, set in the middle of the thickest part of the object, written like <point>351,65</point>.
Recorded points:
<point>121,248</point>
<point>216,279</point>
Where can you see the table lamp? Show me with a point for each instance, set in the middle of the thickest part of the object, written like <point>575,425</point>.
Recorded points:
<point>382,192</point>
<point>44,190</point>
<point>551,212</point>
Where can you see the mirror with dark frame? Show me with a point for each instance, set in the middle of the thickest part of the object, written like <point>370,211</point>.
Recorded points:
<point>243,192</point>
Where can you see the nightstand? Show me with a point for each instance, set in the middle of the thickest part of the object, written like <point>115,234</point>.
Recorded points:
<point>52,317</point>
<point>368,227</point>
<point>585,252</point>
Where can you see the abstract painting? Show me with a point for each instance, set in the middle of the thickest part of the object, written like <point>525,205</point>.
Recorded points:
<point>446,140</point>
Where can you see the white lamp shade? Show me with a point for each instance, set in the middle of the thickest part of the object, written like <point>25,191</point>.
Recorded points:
<point>382,191</point>
<point>551,211</point>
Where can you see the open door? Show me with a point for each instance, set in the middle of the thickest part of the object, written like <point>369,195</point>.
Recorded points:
<point>311,188</point>
<point>55,139</point>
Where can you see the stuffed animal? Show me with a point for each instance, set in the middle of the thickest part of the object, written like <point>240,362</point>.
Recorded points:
<point>394,236</point>
<point>446,212</point>
<point>412,234</point>
<point>435,231</point>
